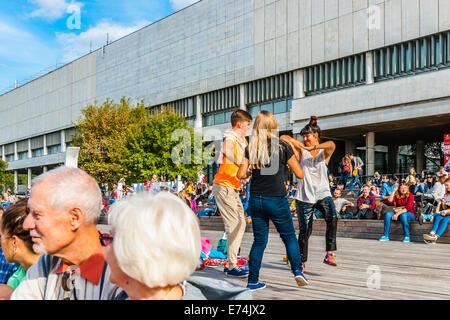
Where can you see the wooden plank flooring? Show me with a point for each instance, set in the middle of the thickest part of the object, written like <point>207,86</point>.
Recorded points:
<point>408,271</point>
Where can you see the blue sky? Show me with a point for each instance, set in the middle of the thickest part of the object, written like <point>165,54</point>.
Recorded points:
<point>36,35</point>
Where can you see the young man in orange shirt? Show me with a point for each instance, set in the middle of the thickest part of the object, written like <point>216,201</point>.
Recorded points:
<point>226,188</point>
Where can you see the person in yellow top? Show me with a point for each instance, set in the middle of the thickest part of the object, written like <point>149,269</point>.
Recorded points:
<point>226,187</point>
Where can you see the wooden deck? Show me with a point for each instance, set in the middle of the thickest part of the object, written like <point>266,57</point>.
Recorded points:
<point>408,271</point>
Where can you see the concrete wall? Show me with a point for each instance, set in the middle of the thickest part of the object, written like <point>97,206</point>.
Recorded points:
<point>211,45</point>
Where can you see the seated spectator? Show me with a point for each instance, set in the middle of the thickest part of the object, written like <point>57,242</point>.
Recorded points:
<point>162,270</point>
<point>441,218</point>
<point>388,187</point>
<point>341,205</point>
<point>64,209</point>
<point>442,173</point>
<point>16,245</point>
<point>375,191</point>
<point>345,168</point>
<point>376,179</point>
<point>366,204</point>
<point>137,267</point>
<point>6,269</point>
<point>411,180</point>
<point>437,192</point>
<point>332,180</point>
<point>403,211</point>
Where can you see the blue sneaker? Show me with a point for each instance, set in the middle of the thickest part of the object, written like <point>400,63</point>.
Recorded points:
<point>237,272</point>
<point>225,269</point>
<point>384,238</point>
<point>406,239</point>
<point>300,278</point>
<point>256,286</point>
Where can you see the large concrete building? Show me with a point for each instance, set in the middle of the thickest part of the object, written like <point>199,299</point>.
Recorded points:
<point>374,71</point>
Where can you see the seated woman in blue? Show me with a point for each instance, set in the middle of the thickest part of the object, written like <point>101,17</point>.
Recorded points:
<point>441,217</point>
<point>403,201</point>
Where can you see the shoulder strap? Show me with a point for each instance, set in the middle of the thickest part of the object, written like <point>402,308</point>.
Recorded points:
<point>49,262</point>
<point>102,280</point>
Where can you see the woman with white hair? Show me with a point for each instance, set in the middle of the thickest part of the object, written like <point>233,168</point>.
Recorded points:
<point>154,246</point>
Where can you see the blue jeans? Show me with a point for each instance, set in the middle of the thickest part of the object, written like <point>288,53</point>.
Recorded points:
<point>352,182</point>
<point>344,177</point>
<point>404,219</point>
<point>440,224</point>
<point>262,209</point>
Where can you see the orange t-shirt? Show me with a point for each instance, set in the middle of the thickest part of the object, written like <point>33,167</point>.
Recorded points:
<point>228,170</point>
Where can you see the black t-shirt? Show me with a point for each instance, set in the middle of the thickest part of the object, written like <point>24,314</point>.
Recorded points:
<point>269,181</point>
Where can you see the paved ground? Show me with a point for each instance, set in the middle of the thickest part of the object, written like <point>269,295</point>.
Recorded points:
<point>368,269</point>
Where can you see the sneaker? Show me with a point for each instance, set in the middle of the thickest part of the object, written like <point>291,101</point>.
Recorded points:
<point>430,237</point>
<point>330,259</point>
<point>256,286</point>
<point>406,239</point>
<point>225,270</point>
<point>300,278</point>
<point>421,219</point>
<point>384,238</point>
<point>237,272</point>
<point>429,241</point>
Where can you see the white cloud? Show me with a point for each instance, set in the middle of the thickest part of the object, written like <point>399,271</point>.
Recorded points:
<point>52,9</point>
<point>75,46</point>
<point>180,4</point>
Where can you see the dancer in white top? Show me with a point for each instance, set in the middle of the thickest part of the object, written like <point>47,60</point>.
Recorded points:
<point>314,190</point>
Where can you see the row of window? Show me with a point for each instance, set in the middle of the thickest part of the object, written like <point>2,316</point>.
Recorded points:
<point>274,107</point>
<point>425,54</point>
<point>338,74</point>
<point>217,118</point>
<point>36,152</point>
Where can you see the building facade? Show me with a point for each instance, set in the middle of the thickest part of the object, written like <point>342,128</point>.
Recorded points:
<point>375,72</point>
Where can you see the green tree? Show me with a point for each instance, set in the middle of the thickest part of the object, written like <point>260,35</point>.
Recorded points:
<point>3,175</point>
<point>103,131</point>
<point>156,145</point>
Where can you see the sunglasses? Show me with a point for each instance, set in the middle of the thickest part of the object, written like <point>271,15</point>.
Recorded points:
<point>67,283</point>
<point>2,237</point>
<point>105,239</point>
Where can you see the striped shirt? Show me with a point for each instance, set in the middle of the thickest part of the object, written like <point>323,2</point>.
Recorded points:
<point>90,280</point>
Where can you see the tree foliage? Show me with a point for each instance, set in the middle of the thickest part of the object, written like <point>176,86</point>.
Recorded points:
<point>103,131</point>
<point>119,140</point>
<point>163,145</point>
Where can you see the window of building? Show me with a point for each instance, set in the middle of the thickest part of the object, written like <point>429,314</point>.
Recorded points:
<point>54,149</point>
<point>419,55</point>
<point>9,157</point>
<point>280,107</point>
<point>37,152</point>
<point>23,155</point>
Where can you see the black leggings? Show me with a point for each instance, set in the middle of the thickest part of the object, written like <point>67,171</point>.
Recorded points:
<point>305,213</point>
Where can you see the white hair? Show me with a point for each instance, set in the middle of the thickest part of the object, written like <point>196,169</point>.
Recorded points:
<point>156,238</point>
<point>71,188</point>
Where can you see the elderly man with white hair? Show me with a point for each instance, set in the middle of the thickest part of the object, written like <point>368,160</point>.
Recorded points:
<point>64,207</point>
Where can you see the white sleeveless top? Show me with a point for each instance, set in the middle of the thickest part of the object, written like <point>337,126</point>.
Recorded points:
<point>315,185</point>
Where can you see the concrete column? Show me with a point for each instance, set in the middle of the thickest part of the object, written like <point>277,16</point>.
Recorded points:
<point>299,90</point>
<point>370,153</point>
<point>29,177</point>
<point>350,147</point>
<point>242,104</point>
<point>3,153</point>
<point>45,145</point>
<point>392,159</point>
<point>198,113</point>
<point>16,181</point>
<point>369,68</point>
<point>63,141</point>
<point>16,155</point>
<point>30,154</point>
<point>44,169</point>
<point>420,155</point>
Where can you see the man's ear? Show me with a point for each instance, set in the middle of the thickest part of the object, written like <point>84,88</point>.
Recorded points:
<point>76,218</point>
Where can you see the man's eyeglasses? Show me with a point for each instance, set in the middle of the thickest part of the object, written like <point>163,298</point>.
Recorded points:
<point>105,239</point>
<point>67,283</point>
